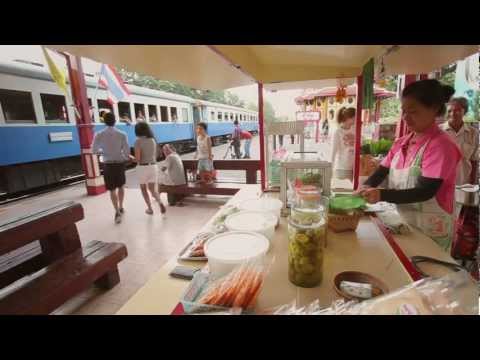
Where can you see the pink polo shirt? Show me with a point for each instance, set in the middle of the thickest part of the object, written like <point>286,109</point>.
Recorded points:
<point>440,160</point>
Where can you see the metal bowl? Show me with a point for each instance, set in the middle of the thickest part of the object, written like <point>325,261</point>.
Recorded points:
<point>468,196</point>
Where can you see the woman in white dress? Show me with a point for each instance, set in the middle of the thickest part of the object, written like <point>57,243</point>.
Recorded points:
<point>343,144</point>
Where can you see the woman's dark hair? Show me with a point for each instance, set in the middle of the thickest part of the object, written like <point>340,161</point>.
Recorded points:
<point>345,113</point>
<point>202,125</point>
<point>109,119</point>
<point>463,102</point>
<point>430,93</point>
<point>143,129</point>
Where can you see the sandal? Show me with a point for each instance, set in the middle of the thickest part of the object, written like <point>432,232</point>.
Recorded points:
<point>149,212</point>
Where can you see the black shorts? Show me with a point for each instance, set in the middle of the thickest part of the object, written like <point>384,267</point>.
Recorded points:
<point>114,175</point>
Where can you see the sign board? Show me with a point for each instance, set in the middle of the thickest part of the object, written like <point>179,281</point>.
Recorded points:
<point>308,115</point>
<point>60,136</point>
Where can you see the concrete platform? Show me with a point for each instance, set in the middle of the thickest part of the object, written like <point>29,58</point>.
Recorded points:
<point>150,239</point>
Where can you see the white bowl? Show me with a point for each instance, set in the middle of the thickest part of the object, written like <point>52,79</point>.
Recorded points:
<point>261,222</point>
<point>228,250</point>
<point>263,204</point>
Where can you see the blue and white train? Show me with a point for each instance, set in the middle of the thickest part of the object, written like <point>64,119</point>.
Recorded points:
<point>39,141</point>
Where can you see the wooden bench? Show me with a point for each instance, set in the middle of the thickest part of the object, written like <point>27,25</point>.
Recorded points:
<point>194,188</point>
<point>42,262</point>
<point>218,188</point>
<point>45,290</point>
<point>21,262</point>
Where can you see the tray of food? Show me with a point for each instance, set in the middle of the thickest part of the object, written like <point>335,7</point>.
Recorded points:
<point>194,249</point>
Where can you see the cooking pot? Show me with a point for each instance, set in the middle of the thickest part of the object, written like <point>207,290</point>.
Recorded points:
<point>467,195</point>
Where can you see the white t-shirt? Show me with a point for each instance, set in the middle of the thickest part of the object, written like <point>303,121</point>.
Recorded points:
<point>175,173</point>
<point>202,147</point>
<point>467,140</point>
<point>343,148</point>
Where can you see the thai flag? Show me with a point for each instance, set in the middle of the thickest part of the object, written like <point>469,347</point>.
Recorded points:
<point>110,80</point>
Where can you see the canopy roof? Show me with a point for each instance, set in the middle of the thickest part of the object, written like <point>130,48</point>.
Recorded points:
<point>276,66</point>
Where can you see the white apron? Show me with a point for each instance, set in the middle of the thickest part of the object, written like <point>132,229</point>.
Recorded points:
<point>427,216</point>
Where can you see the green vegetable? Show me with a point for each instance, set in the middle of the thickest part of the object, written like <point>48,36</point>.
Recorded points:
<point>311,178</point>
<point>305,254</point>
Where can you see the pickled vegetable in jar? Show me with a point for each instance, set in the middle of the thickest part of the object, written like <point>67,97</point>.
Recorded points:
<point>307,230</point>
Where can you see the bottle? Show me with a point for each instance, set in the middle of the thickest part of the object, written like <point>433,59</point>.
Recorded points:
<point>307,238</point>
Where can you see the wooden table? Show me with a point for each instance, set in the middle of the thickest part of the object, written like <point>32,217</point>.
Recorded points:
<point>365,250</point>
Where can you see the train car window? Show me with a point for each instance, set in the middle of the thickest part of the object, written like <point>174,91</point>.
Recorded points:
<point>139,112</point>
<point>185,115</point>
<point>219,116</point>
<point>17,106</point>
<point>103,106</point>
<point>164,113</point>
<point>173,113</point>
<point>236,117</point>
<point>212,115</point>
<point>54,108</point>
<point>124,111</point>
<point>152,113</point>
<point>231,116</point>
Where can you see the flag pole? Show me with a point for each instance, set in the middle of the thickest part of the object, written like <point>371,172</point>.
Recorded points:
<point>94,100</point>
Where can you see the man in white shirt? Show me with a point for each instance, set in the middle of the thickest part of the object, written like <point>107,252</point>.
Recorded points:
<point>467,139</point>
<point>112,144</point>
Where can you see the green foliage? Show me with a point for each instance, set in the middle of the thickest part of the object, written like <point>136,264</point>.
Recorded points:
<point>376,148</point>
<point>268,111</point>
<point>222,97</point>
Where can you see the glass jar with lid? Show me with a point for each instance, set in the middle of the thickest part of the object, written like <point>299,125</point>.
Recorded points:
<point>307,237</point>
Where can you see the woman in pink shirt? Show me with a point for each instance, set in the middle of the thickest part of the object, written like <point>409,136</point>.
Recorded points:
<point>421,166</point>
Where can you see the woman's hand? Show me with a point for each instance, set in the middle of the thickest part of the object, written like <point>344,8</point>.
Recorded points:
<point>371,195</point>
<point>361,190</point>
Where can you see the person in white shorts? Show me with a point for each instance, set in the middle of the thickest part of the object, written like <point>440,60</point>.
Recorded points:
<point>146,158</point>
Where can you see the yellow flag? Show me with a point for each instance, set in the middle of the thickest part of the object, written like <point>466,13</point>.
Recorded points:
<point>58,75</point>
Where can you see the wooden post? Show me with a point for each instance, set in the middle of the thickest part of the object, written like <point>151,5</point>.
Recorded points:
<point>261,134</point>
<point>358,132</point>
<point>93,180</point>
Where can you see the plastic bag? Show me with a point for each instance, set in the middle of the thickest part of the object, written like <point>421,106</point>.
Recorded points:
<point>239,289</point>
<point>394,222</point>
<point>453,294</point>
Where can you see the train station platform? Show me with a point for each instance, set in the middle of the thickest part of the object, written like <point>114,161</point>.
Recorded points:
<point>150,239</point>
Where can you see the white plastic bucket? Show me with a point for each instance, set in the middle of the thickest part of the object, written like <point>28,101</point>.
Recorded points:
<point>263,204</point>
<point>261,222</point>
<point>228,250</point>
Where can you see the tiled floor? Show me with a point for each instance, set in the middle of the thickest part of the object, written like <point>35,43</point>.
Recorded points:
<point>150,240</point>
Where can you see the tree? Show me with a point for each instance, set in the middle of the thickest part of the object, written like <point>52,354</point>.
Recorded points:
<point>268,111</point>
<point>390,108</point>
<point>220,96</point>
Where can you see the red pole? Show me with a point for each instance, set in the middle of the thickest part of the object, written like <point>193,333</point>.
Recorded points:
<point>261,134</point>
<point>94,182</point>
<point>358,132</point>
